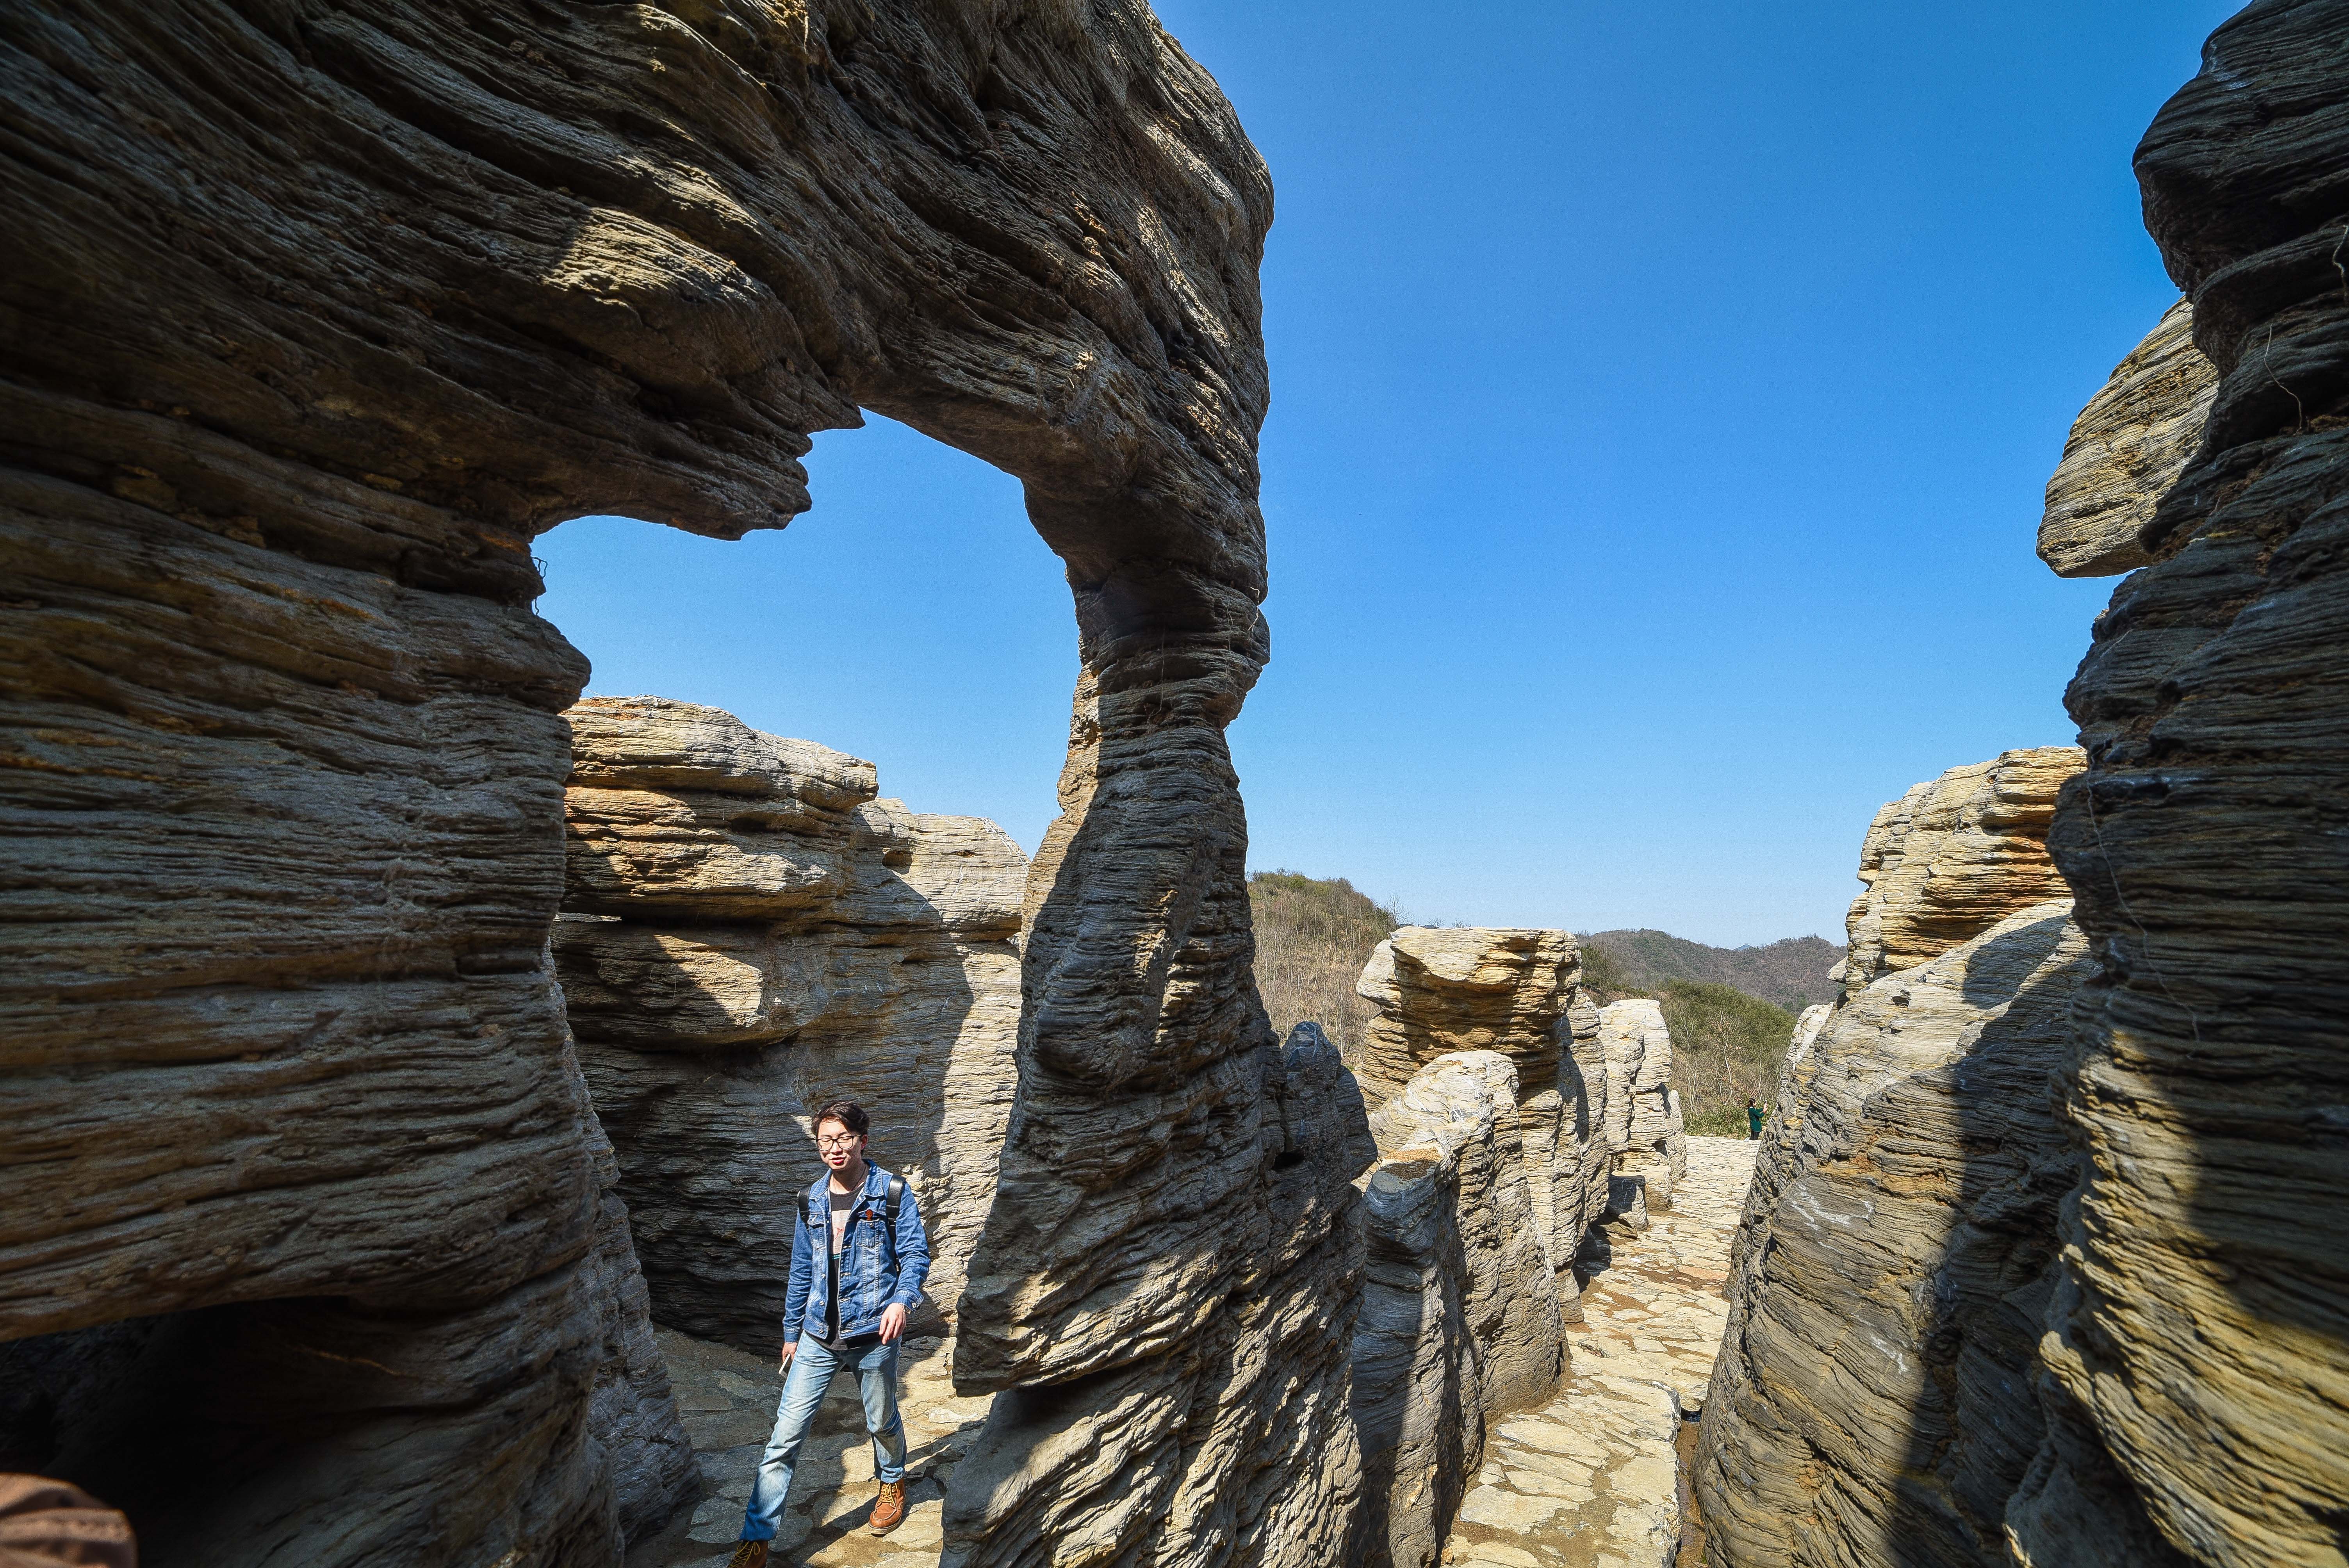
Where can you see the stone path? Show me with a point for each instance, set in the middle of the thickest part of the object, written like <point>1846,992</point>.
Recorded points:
<point>1592,1479</point>
<point>728,1400</point>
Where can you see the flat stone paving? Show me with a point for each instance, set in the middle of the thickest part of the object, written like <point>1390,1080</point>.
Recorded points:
<point>728,1400</point>
<point>1591,1479</point>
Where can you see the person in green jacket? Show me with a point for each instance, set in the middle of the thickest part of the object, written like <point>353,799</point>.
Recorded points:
<point>1752,1118</point>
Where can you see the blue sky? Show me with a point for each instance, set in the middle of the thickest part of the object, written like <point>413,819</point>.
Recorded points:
<point>1662,402</point>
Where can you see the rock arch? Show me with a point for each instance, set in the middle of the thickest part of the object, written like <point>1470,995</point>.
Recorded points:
<point>323,313</point>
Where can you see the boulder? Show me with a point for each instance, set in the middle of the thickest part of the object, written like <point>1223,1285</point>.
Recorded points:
<point>715,1020</point>
<point>1584,1177</point>
<point>2128,446</point>
<point>1443,990</point>
<point>1644,1127</point>
<point>1952,858</point>
<point>327,314</point>
<point>1460,1319</point>
<point>2199,1339</point>
<point>1873,1401</point>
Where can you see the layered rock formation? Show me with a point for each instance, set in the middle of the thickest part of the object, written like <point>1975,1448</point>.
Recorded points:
<point>1439,991</point>
<point>1953,857</point>
<point>324,314</point>
<point>753,935</point>
<point>1582,1179</point>
<point>1460,1315</point>
<point>550,1400</point>
<point>2198,1342</point>
<point>2192,1375</point>
<point>2127,447</point>
<point>1644,1128</point>
<point>1873,1400</point>
<point>1238,1444</point>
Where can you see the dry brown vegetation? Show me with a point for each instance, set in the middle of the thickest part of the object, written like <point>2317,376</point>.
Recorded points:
<point>1313,935</point>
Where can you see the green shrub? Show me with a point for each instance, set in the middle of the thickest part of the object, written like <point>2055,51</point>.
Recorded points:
<point>1727,1045</point>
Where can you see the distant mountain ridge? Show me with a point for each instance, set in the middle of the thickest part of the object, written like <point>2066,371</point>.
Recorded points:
<point>1791,973</point>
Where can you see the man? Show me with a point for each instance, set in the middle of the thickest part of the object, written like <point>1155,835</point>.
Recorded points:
<point>847,1311</point>
<point>1752,1120</point>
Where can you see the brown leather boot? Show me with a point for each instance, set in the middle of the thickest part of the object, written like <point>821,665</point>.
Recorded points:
<point>888,1509</point>
<point>749,1554</point>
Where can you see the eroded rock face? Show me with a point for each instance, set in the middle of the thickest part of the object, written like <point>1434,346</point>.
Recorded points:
<point>1442,990</point>
<point>1953,857</point>
<point>754,936</point>
<point>1873,1401</point>
<point>2137,435</point>
<point>2200,1337</point>
<point>329,313</point>
<point>1644,1127</point>
<point>1460,1315</point>
<point>1584,1177</point>
<point>1239,1444</point>
<point>631,1414</point>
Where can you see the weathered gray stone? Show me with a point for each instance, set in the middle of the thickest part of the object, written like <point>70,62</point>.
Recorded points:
<point>2128,446</point>
<point>1238,1444</point>
<point>631,1415</point>
<point>1644,1127</point>
<point>1585,1170</point>
<point>1440,990</point>
<point>895,983</point>
<point>1460,1317</point>
<point>1873,1400</point>
<point>325,313</point>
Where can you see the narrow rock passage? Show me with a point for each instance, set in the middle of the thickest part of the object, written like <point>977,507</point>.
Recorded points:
<point>1591,1479</point>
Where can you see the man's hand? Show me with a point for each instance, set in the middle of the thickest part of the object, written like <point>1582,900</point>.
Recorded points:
<point>785,1363</point>
<point>893,1322</point>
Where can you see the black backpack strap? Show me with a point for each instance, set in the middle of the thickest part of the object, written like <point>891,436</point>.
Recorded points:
<point>897,1194</point>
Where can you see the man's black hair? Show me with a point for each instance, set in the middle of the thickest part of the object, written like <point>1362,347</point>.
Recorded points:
<point>846,1112</point>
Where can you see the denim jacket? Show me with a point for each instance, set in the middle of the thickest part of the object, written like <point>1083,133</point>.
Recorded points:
<point>873,1272</point>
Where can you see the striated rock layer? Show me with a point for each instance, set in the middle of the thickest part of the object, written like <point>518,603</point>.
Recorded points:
<point>324,314</point>
<point>2127,447</point>
<point>1952,858</point>
<point>1239,1439</point>
<point>753,935</point>
<point>1644,1127</point>
<point>1873,1400</point>
<point>1460,1319</point>
<point>2199,1343</point>
<point>1438,991</point>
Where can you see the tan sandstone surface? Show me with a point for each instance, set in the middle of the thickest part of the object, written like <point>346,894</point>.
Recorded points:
<point>1439,990</point>
<point>729,1398</point>
<point>1953,857</point>
<point>1590,1479</point>
<point>332,311</point>
<point>2128,446</point>
<point>750,933</point>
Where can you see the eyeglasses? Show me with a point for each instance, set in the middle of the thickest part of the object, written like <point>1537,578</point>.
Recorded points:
<point>842,1141</point>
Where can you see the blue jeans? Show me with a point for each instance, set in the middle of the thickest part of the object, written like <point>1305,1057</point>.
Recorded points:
<point>812,1365</point>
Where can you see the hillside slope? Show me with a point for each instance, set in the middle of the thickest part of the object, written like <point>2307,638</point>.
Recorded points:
<point>1313,935</point>
<point>1791,973</point>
